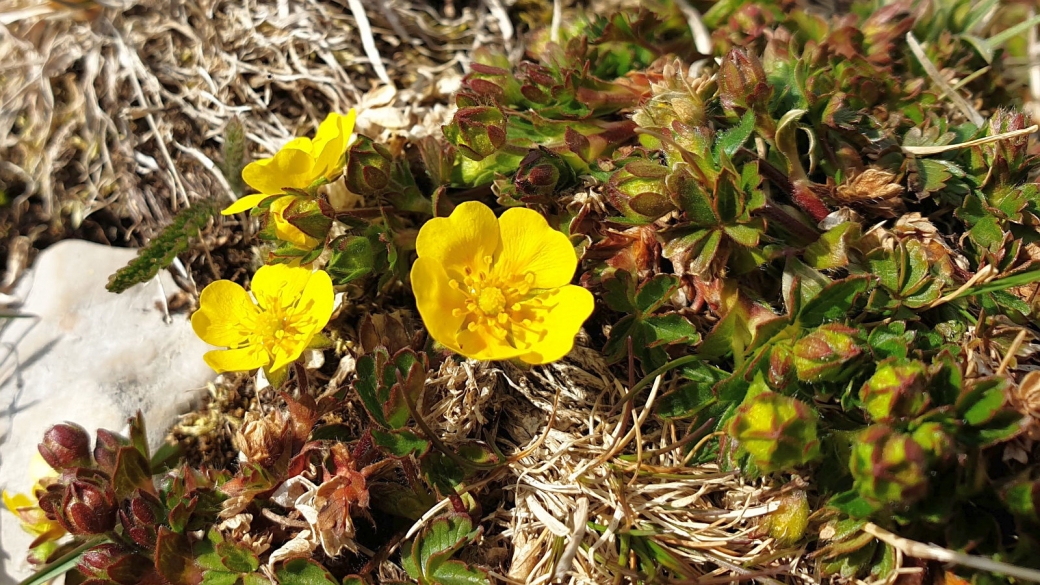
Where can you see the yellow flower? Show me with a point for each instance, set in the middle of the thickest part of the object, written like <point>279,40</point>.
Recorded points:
<point>494,289</point>
<point>291,307</point>
<point>298,164</point>
<point>27,508</point>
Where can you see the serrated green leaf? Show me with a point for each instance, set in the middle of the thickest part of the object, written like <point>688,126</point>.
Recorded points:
<point>655,292</point>
<point>304,572</point>
<point>730,141</point>
<point>352,257</point>
<point>833,302</point>
<point>459,573</point>
<point>401,442</point>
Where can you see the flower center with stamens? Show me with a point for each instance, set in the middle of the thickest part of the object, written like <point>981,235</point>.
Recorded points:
<point>491,301</point>
<point>501,307</point>
<point>275,327</point>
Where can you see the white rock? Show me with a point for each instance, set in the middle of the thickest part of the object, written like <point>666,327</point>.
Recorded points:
<point>87,356</point>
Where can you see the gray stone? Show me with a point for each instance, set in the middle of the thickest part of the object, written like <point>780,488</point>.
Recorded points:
<point>87,356</point>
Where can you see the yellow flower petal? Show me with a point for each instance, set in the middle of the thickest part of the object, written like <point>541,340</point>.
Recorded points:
<point>460,240</point>
<point>529,245</point>
<point>286,231</point>
<point>237,360</point>
<point>292,166</point>
<point>570,307</point>
<point>226,314</point>
<point>317,300</point>
<point>244,204</point>
<point>39,468</point>
<point>480,346</point>
<point>436,301</point>
<point>279,285</point>
<point>14,501</point>
<point>330,141</point>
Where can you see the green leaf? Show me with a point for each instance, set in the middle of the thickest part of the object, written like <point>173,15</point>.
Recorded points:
<point>435,544</point>
<point>132,471</point>
<point>367,383</point>
<point>459,573</point>
<point>174,559</point>
<point>730,141</point>
<point>621,292</point>
<point>833,302</point>
<point>304,572</point>
<point>668,329</point>
<point>981,402</point>
<point>401,442</point>
<point>691,398</point>
<point>831,250</point>
<point>163,248</point>
<point>352,257</point>
<point>655,292</point>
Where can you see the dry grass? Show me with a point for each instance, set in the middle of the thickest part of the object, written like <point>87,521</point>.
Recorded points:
<point>617,467</point>
<point>112,117</point>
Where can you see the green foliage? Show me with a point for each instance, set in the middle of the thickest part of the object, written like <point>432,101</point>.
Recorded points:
<point>427,557</point>
<point>163,248</point>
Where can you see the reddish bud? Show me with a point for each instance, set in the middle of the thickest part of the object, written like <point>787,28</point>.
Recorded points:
<point>107,449</point>
<point>88,507</point>
<point>896,390</point>
<point>639,192</point>
<point>477,131</point>
<point>824,354</point>
<point>66,445</point>
<point>140,516</point>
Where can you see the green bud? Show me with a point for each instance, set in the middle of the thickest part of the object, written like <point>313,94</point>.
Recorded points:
<point>823,355</point>
<point>368,167</point>
<point>638,191</point>
<point>933,438</point>
<point>541,174</point>
<point>788,523</point>
<point>779,432</point>
<point>889,467</point>
<point>896,390</point>
<point>742,82</point>
<point>477,131</point>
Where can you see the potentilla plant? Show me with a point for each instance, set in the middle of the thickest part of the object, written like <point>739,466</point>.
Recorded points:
<point>824,250</point>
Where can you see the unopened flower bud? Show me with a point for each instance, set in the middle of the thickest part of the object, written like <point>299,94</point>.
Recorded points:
<point>898,389</point>
<point>889,467</point>
<point>779,432</point>
<point>88,507</point>
<point>639,192</point>
<point>541,174</point>
<point>49,498</point>
<point>823,354</point>
<point>66,445</point>
<point>106,450</point>
<point>742,81</point>
<point>477,131</point>
<point>368,168</point>
<point>140,516</point>
<point>112,563</point>
<point>937,443</point>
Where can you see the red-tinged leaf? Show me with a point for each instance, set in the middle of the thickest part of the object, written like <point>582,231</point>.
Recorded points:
<point>173,558</point>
